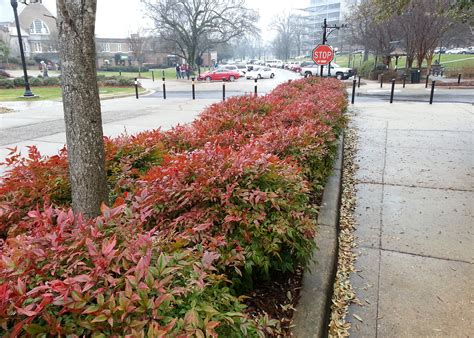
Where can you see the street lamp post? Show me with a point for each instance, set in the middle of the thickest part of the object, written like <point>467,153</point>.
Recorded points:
<point>28,92</point>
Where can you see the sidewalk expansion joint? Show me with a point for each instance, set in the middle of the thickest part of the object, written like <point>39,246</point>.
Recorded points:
<point>418,255</point>
<point>381,228</point>
<point>413,186</point>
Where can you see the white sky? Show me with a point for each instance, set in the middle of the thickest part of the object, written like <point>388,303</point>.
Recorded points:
<point>118,18</point>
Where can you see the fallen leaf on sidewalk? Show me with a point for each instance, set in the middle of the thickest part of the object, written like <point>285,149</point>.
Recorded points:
<point>358,318</point>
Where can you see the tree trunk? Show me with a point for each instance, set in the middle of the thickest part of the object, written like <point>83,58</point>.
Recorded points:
<point>82,114</point>
<point>429,61</point>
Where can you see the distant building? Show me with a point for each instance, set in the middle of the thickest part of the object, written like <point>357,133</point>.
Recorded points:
<point>40,41</point>
<point>334,11</point>
<point>38,31</point>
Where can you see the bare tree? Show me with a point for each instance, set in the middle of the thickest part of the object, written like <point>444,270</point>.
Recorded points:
<point>291,30</point>
<point>299,29</point>
<point>283,41</point>
<point>138,44</point>
<point>424,22</point>
<point>82,114</point>
<point>194,26</point>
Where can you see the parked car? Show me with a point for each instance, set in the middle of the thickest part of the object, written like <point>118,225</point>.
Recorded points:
<point>455,51</point>
<point>233,67</point>
<point>220,74</point>
<point>260,73</point>
<point>340,73</point>
<point>243,68</point>
<point>274,63</point>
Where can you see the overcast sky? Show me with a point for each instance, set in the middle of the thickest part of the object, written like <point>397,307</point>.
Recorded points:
<point>118,18</point>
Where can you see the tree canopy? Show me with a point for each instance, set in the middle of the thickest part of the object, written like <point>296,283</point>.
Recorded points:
<point>194,26</point>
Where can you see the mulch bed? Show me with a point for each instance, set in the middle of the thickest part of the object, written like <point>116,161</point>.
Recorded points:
<point>469,83</point>
<point>278,299</point>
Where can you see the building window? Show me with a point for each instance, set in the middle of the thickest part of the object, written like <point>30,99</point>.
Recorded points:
<point>130,47</point>
<point>37,47</point>
<point>38,27</point>
<point>106,47</point>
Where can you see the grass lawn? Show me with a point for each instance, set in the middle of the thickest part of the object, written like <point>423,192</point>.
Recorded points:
<point>450,61</point>
<point>54,93</point>
<point>169,73</point>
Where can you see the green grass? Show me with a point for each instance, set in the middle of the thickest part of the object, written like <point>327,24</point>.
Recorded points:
<point>449,61</point>
<point>158,73</point>
<point>169,73</point>
<point>54,93</point>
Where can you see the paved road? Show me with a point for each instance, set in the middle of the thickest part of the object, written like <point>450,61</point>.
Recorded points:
<point>412,93</point>
<point>445,96</point>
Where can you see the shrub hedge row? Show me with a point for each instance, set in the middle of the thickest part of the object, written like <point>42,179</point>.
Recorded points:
<point>111,81</point>
<point>198,214</point>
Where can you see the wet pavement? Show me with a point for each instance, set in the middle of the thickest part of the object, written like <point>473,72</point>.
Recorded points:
<point>415,220</point>
<point>41,123</point>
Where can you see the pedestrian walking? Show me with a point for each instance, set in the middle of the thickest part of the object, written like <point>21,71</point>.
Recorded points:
<point>178,72</point>
<point>182,70</point>
<point>188,71</point>
<point>44,68</point>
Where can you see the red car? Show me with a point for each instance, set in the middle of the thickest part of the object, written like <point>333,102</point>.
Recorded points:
<point>219,75</point>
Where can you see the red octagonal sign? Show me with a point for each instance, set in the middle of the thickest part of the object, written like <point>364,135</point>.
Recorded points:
<point>323,54</point>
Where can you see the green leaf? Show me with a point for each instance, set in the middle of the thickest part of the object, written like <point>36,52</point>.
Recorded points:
<point>99,318</point>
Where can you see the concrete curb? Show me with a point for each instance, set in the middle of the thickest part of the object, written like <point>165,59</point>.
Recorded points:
<point>311,318</point>
<point>119,96</point>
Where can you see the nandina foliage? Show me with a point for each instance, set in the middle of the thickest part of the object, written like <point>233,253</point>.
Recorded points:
<point>247,199</point>
<point>222,201</point>
<point>71,277</point>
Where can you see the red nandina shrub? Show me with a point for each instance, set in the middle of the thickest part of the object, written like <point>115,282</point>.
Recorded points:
<point>247,199</point>
<point>110,278</point>
<point>195,209</point>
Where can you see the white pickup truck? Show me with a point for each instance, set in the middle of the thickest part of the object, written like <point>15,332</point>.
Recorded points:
<point>340,73</point>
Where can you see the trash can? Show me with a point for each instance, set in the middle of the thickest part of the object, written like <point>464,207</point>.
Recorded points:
<point>415,76</point>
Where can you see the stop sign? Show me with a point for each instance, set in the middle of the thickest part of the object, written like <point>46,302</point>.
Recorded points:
<point>323,54</point>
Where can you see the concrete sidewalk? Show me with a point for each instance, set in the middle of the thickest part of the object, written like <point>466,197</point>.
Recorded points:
<point>43,125</point>
<point>415,270</point>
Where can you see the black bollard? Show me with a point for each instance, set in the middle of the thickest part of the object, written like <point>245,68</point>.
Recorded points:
<point>136,88</point>
<point>358,83</point>
<point>381,80</point>
<point>353,90</point>
<point>459,78</point>
<point>223,90</point>
<point>392,91</point>
<point>164,89</point>
<point>427,78</point>
<point>153,76</point>
<point>255,88</point>
<point>432,91</point>
<point>194,92</point>
<point>404,79</point>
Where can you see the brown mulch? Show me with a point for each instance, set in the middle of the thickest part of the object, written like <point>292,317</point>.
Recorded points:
<point>277,299</point>
<point>468,83</point>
